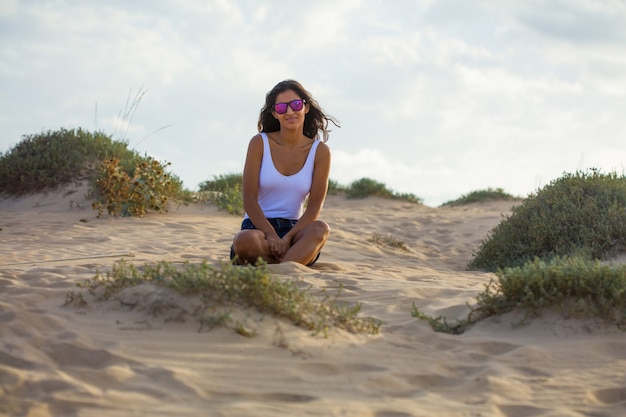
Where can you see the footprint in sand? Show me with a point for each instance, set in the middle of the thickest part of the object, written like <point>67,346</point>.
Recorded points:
<point>431,381</point>
<point>609,396</point>
<point>521,410</point>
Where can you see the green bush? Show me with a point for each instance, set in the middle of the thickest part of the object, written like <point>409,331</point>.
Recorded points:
<point>366,187</point>
<point>222,183</point>
<point>225,191</point>
<point>48,160</point>
<point>489,194</point>
<point>243,286</point>
<point>579,287</point>
<point>578,214</point>
<point>150,188</point>
<point>411,198</point>
<point>229,200</point>
<point>335,188</point>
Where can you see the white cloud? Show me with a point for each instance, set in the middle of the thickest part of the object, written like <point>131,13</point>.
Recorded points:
<point>582,21</point>
<point>8,8</point>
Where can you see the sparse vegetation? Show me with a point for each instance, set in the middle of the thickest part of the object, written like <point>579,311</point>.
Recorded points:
<point>243,286</point>
<point>230,200</point>
<point>366,187</point>
<point>489,194</point>
<point>225,192</point>
<point>580,214</point>
<point>222,183</point>
<point>389,241</point>
<point>579,287</point>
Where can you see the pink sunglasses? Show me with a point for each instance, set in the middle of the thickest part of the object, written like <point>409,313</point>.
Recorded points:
<point>296,105</point>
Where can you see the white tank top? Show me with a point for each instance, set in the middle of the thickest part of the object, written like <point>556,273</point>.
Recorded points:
<point>281,195</point>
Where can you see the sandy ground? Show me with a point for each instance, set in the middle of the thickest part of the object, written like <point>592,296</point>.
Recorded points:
<point>119,358</point>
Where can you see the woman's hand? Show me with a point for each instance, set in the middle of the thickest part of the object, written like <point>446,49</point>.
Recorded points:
<point>277,246</point>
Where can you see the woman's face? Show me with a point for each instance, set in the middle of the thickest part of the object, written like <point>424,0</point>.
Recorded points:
<point>291,119</point>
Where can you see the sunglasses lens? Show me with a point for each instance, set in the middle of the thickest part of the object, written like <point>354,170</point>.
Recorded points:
<point>280,108</point>
<point>296,105</point>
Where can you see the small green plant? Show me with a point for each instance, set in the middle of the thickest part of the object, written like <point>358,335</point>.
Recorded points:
<point>388,240</point>
<point>440,324</point>
<point>75,298</point>
<point>489,194</point>
<point>225,191</point>
<point>578,286</point>
<point>578,214</point>
<point>222,319</point>
<point>244,286</point>
<point>366,187</point>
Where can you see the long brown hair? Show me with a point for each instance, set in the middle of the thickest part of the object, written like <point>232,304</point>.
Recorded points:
<point>315,120</point>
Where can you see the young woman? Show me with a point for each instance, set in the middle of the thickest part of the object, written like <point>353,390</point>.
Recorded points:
<point>286,163</point>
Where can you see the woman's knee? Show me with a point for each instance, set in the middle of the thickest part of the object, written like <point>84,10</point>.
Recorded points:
<point>321,230</point>
<point>247,241</point>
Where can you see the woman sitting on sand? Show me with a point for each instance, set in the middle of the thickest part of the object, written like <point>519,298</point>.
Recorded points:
<point>285,163</point>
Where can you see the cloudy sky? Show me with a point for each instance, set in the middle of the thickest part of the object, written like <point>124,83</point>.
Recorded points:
<point>435,97</point>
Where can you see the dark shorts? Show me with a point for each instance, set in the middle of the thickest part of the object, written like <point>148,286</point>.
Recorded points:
<point>282,227</point>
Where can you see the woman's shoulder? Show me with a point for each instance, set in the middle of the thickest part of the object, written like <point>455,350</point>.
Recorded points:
<point>255,146</point>
<point>322,153</point>
<point>256,140</point>
<point>323,147</point>
<point>257,137</point>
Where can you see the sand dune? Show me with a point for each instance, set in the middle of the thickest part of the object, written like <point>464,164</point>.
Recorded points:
<point>143,354</point>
